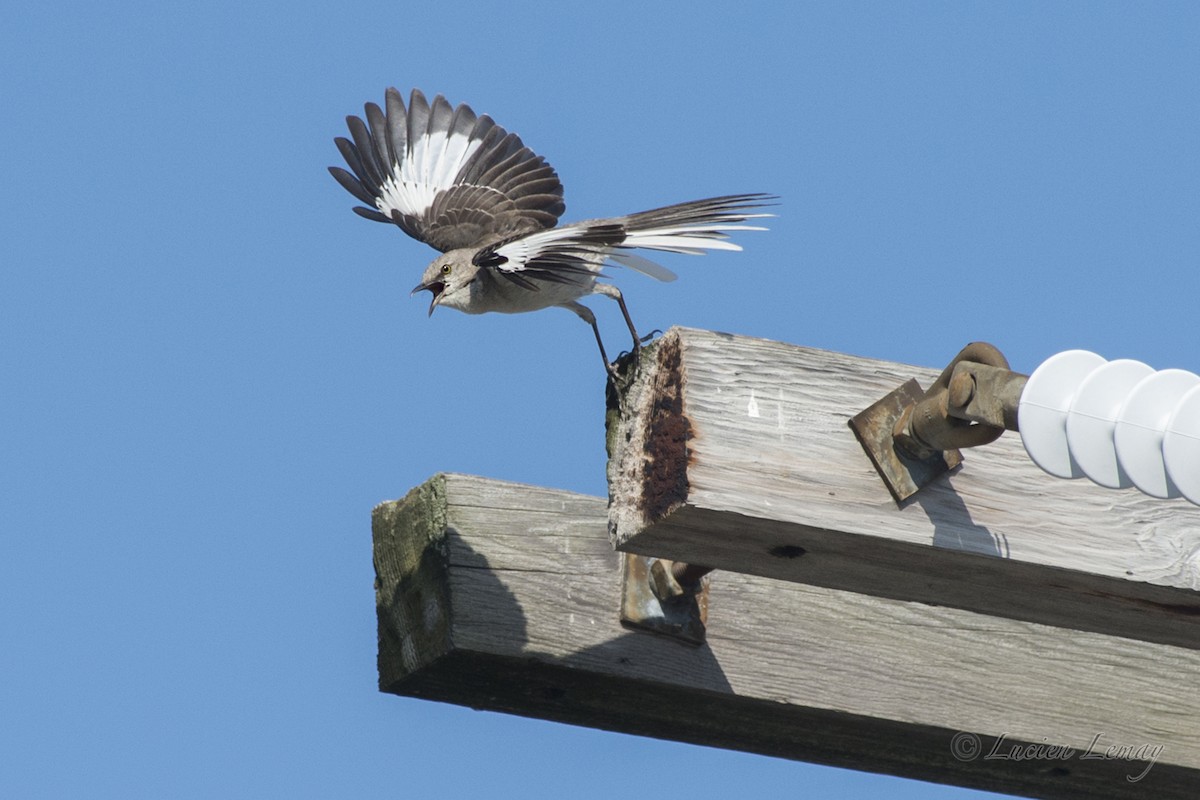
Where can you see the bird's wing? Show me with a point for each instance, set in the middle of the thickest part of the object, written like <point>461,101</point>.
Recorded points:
<point>446,176</point>
<point>575,253</point>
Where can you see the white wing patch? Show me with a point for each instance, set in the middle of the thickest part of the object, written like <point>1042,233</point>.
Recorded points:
<point>527,248</point>
<point>572,240</point>
<point>430,167</point>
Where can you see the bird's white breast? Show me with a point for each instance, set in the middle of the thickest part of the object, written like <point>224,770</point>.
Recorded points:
<point>504,297</point>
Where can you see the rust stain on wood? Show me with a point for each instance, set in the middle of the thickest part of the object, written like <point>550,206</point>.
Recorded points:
<point>668,431</point>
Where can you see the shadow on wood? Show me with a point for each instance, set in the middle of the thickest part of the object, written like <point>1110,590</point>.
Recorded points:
<point>728,451</point>
<point>504,597</point>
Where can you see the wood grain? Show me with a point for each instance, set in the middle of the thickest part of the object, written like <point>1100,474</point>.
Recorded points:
<point>774,483</point>
<point>504,597</point>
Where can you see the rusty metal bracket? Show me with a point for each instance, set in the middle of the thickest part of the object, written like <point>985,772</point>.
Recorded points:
<point>913,437</point>
<point>903,474</point>
<point>666,598</point>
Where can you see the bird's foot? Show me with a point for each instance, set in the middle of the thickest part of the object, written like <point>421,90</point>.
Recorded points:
<point>629,357</point>
<point>621,369</point>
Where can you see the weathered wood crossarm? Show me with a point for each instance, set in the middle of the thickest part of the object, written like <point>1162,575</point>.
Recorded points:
<point>735,453</point>
<point>504,597</point>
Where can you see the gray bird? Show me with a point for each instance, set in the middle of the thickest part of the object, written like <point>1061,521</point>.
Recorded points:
<point>468,188</point>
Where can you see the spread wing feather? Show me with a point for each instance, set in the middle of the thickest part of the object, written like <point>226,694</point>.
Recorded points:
<point>446,176</point>
<point>576,253</point>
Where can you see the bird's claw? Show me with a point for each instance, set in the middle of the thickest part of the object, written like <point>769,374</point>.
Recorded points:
<point>615,368</point>
<point>649,336</point>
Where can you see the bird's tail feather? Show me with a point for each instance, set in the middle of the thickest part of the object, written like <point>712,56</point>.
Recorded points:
<point>690,228</point>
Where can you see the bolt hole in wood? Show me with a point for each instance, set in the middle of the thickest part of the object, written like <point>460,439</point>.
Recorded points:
<point>787,551</point>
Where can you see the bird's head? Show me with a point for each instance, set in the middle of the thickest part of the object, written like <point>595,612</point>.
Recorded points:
<point>448,278</point>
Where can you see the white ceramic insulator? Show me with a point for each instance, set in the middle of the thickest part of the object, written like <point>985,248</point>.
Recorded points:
<point>1119,423</point>
<point>1042,413</point>
<point>1181,446</point>
<point>1092,420</point>
<point>1142,425</point>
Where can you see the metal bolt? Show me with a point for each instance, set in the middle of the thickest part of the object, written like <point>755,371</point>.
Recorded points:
<point>962,389</point>
<point>664,585</point>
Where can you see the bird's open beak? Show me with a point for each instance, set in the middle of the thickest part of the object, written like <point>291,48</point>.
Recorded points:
<point>433,287</point>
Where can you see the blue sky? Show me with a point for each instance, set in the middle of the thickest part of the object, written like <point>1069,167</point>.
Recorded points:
<point>212,368</point>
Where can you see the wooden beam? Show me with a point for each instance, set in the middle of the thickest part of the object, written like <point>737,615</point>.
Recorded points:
<point>504,597</point>
<point>735,453</point>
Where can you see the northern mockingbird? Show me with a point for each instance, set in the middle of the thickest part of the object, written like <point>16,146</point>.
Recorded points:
<point>462,184</point>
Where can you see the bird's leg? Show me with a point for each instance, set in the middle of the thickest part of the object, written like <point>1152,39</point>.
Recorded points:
<point>608,290</point>
<point>608,365</point>
<point>585,314</point>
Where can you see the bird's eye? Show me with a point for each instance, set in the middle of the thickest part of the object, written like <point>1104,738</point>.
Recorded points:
<point>445,269</point>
